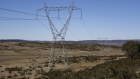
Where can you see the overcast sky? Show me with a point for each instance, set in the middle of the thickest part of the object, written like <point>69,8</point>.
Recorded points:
<point>110,19</point>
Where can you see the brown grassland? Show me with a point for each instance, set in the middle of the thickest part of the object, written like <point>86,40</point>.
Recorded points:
<point>32,58</point>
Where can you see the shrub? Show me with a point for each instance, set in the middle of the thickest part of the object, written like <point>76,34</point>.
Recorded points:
<point>15,75</point>
<point>13,69</point>
<point>9,77</point>
<point>132,49</point>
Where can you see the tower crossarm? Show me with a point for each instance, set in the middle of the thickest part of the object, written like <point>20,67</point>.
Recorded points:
<point>59,8</point>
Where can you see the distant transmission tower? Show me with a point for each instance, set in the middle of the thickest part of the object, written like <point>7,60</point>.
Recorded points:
<point>58,34</point>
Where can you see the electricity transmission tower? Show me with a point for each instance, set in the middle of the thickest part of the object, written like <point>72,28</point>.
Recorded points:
<point>58,34</point>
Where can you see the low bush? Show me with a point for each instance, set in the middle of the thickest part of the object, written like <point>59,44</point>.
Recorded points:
<point>120,69</point>
<point>132,49</point>
<point>13,69</point>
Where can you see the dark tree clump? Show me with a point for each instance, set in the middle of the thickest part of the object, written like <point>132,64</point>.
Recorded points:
<point>132,49</point>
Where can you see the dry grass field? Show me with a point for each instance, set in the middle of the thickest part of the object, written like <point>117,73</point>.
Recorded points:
<point>27,60</point>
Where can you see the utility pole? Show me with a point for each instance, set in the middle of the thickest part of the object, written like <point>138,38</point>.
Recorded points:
<point>58,34</point>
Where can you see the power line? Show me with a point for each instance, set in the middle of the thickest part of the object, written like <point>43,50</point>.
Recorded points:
<point>73,34</point>
<point>19,12</point>
<point>83,23</point>
<point>15,11</point>
<point>42,24</point>
<point>70,31</point>
<point>8,18</point>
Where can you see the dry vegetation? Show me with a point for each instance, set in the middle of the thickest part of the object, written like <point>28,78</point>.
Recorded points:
<point>29,60</point>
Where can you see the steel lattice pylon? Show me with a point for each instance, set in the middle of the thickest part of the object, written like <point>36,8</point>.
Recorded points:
<point>58,34</point>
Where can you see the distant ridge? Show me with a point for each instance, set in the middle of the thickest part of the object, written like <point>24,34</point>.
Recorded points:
<point>108,42</point>
<point>103,42</point>
<point>13,40</point>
